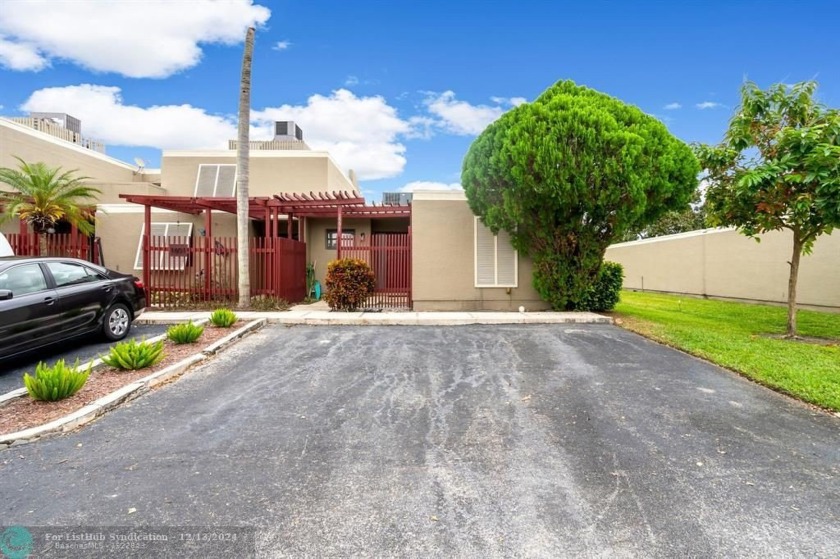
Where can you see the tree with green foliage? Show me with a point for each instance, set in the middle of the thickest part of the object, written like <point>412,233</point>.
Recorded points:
<point>570,173</point>
<point>44,196</point>
<point>692,218</point>
<point>777,168</point>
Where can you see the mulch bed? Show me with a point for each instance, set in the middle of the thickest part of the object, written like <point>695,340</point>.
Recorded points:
<point>23,413</point>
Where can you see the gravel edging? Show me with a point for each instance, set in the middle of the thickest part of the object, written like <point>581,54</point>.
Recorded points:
<point>128,392</point>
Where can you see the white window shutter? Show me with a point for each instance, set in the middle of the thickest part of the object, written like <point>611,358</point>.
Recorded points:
<point>164,235</point>
<point>158,230</point>
<point>205,182</point>
<point>226,183</point>
<point>485,255</point>
<point>506,265</point>
<point>496,261</point>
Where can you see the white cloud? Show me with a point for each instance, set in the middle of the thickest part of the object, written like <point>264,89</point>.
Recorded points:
<point>19,56</point>
<point>460,117</point>
<point>149,39</point>
<point>430,185</point>
<point>105,116</point>
<point>512,101</point>
<point>361,133</point>
<point>351,81</point>
<point>672,106</point>
<point>281,45</point>
<point>708,105</point>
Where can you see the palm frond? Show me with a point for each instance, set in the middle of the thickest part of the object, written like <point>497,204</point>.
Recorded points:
<point>45,195</point>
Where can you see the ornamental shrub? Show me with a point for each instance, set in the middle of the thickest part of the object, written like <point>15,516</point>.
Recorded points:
<point>223,318</point>
<point>131,355</point>
<point>570,173</point>
<point>185,333</point>
<point>604,293</point>
<point>58,382</point>
<point>349,282</point>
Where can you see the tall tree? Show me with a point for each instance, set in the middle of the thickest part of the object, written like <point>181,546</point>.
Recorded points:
<point>692,218</point>
<point>242,173</point>
<point>44,196</point>
<point>778,167</point>
<point>568,174</point>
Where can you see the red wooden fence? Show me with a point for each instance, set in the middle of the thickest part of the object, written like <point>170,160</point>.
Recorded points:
<point>61,245</point>
<point>185,270</point>
<point>389,256</point>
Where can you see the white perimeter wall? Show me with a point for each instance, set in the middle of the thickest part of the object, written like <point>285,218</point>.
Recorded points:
<point>723,263</point>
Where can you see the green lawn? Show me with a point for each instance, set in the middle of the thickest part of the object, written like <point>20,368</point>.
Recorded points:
<point>735,335</point>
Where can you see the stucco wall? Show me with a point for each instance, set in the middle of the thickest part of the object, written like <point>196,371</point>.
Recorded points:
<point>271,172</point>
<point>316,241</point>
<point>443,254</point>
<point>723,263</point>
<point>30,145</point>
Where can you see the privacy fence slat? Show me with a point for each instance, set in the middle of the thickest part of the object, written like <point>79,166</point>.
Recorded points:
<point>62,245</point>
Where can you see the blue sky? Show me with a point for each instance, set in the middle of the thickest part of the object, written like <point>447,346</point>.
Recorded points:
<point>396,90</point>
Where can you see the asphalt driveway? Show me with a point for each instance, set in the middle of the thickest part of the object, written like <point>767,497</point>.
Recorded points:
<point>84,349</point>
<point>542,441</point>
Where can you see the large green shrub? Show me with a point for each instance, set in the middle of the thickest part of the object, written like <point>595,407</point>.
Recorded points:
<point>349,281</point>
<point>604,293</point>
<point>131,355</point>
<point>58,382</point>
<point>570,173</point>
<point>186,333</point>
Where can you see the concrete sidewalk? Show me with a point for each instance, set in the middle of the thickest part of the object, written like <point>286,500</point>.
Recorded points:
<point>410,318</point>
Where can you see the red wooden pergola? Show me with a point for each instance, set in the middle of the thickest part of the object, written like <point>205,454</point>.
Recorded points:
<point>294,206</point>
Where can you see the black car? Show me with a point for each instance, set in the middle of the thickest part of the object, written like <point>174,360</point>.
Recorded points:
<point>46,300</point>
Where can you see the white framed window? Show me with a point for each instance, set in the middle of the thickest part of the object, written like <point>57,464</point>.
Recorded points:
<point>215,180</point>
<point>174,254</point>
<point>348,238</point>
<point>496,261</point>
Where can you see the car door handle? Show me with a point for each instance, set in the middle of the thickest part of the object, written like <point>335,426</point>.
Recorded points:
<point>107,287</point>
<point>49,300</point>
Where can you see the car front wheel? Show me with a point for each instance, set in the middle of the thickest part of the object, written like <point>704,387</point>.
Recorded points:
<point>117,322</point>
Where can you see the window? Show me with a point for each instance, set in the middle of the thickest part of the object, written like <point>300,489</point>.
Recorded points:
<point>21,280</point>
<point>348,237</point>
<point>496,261</point>
<point>216,180</point>
<point>170,246</point>
<point>65,273</point>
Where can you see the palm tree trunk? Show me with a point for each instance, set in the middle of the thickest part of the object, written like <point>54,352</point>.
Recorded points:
<point>42,243</point>
<point>794,275</point>
<point>242,172</point>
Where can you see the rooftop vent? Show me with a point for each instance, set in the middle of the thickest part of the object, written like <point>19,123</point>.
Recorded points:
<point>61,119</point>
<point>397,198</point>
<point>286,130</point>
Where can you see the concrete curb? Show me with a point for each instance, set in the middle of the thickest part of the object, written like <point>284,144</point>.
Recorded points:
<point>410,318</point>
<point>128,392</point>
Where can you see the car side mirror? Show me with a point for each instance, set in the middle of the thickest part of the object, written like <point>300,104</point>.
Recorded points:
<point>5,294</point>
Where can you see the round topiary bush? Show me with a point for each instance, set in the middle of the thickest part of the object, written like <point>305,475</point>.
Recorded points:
<point>349,282</point>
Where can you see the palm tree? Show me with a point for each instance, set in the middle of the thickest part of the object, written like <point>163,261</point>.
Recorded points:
<point>242,147</point>
<point>44,196</point>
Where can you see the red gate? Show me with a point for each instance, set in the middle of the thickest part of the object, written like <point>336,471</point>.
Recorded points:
<point>389,256</point>
<point>183,271</point>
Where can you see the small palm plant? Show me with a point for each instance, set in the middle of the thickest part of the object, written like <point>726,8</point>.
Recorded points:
<point>44,196</point>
